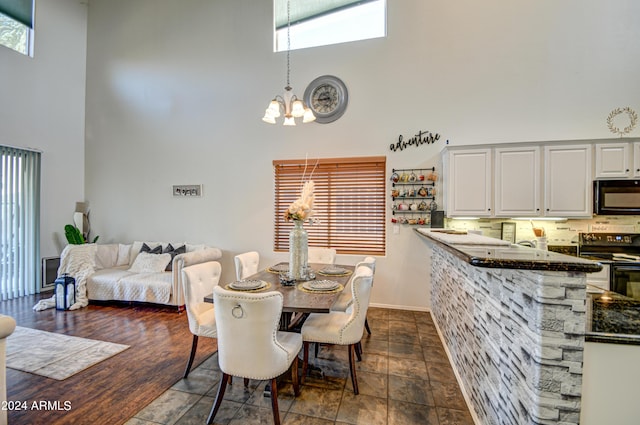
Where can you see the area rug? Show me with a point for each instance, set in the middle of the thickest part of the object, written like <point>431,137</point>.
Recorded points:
<point>53,355</point>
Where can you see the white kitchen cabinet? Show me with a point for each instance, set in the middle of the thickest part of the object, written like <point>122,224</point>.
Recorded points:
<point>636,160</point>
<point>517,181</point>
<point>568,181</point>
<point>617,160</point>
<point>613,160</point>
<point>469,183</point>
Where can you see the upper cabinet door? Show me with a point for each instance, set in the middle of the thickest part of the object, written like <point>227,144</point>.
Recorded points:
<point>613,160</point>
<point>469,183</point>
<point>568,182</point>
<point>636,160</point>
<point>517,181</point>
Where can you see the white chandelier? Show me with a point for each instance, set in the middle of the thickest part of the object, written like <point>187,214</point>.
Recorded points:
<point>289,104</point>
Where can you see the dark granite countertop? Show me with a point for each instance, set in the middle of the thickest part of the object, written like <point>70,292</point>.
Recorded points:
<point>613,318</point>
<point>509,256</point>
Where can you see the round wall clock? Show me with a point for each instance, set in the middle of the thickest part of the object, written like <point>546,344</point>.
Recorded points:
<point>327,97</point>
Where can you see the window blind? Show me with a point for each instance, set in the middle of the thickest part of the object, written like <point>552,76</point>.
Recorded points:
<point>18,10</point>
<point>19,222</point>
<point>349,202</point>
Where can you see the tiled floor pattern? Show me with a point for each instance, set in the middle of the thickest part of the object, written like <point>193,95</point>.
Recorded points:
<point>404,378</point>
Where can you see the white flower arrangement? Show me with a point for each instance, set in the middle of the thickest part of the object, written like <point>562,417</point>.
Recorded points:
<point>302,208</point>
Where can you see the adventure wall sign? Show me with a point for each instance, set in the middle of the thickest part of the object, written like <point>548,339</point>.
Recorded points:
<point>421,138</point>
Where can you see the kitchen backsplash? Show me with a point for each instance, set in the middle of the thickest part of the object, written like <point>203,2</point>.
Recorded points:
<point>561,232</point>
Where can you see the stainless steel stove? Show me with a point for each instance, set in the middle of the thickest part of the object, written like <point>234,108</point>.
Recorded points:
<point>622,252</point>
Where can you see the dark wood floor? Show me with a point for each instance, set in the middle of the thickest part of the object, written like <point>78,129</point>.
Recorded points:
<point>114,390</point>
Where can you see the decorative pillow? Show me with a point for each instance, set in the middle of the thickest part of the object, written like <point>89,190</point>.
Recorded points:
<point>106,255</point>
<point>146,248</point>
<point>173,251</point>
<point>150,263</point>
<point>123,254</point>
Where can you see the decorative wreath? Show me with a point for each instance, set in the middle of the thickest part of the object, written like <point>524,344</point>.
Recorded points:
<point>633,120</point>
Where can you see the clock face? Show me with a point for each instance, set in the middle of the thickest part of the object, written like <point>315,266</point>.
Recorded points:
<point>327,97</point>
<point>324,99</point>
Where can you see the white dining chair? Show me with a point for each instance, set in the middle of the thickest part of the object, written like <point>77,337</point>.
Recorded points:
<point>249,343</point>
<point>246,264</point>
<point>338,327</point>
<point>321,255</point>
<point>345,299</point>
<point>198,281</point>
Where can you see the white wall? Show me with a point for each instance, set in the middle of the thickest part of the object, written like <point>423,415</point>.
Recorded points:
<point>176,90</point>
<point>42,107</point>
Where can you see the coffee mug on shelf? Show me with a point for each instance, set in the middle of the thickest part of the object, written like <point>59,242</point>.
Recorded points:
<point>395,177</point>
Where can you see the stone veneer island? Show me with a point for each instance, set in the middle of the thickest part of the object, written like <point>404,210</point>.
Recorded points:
<point>513,321</point>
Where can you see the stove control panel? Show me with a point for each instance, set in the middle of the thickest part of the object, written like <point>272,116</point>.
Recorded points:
<point>609,239</point>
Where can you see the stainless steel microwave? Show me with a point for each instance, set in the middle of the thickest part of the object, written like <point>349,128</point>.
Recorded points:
<point>616,197</point>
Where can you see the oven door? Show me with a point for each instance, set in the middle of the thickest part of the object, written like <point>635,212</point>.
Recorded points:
<point>625,279</point>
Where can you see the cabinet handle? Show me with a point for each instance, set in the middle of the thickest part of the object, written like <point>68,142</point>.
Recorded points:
<point>627,170</point>
<point>488,209</point>
<point>537,209</point>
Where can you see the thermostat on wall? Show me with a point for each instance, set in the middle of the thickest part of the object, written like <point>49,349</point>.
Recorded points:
<point>187,190</point>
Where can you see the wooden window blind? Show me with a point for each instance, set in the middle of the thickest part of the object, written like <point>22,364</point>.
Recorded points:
<point>349,202</point>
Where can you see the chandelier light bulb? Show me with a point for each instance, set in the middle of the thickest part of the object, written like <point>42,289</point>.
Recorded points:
<point>308,116</point>
<point>297,109</point>
<point>289,120</point>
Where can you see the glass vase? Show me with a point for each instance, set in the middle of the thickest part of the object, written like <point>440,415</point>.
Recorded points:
<point>298,251</point>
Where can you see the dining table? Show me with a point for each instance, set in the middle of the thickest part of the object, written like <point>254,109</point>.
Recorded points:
<point>298,301</point>
<point>297,298</point>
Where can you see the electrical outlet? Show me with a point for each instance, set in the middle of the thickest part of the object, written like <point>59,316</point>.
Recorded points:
<point>187,190</point>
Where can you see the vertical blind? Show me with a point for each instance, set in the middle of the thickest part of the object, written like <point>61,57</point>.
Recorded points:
<point>349,202</point>
<point>19,222</point>
<point>18,10</point>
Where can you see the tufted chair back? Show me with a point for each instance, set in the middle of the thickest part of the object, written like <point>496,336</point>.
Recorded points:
<point>198,281</point>
<point>322,255</point>
<point>368,262</point>
<point>247,326</point>
<point>246,264</point>
<point>351,331</point>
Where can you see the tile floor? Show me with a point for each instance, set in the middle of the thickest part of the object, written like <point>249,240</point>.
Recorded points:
<point>404,378</point>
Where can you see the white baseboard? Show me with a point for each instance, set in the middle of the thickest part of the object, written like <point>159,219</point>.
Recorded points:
<point>399,307</point>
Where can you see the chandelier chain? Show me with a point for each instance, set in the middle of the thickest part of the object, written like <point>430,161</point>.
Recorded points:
<point>288,41</point>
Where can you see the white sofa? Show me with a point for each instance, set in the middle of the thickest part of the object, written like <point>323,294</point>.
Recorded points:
<point>7,326</point>
<point>114,280</point>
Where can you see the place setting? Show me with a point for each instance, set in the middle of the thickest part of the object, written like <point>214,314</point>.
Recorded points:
<point>248,285</point>
<point>279,268</point>
<point>336,271</point>
<point>321,286</point>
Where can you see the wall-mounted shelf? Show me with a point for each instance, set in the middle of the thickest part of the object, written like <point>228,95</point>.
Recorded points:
<point>413,195</point>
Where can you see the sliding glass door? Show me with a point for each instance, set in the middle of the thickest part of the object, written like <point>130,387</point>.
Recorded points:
<point>19,222</point>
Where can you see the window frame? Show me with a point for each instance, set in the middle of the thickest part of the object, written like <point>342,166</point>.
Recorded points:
<point>350,202</point>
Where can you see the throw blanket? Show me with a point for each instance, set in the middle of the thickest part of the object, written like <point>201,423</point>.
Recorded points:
<point>78,261</point>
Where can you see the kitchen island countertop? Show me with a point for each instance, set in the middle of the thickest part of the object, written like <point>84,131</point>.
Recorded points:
<point>482,251</point>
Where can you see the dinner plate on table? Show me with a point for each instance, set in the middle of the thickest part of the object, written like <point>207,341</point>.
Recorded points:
<point>320,285</point>
<point>333,270</point>
<point>247,285</point>
<point>280,268</point>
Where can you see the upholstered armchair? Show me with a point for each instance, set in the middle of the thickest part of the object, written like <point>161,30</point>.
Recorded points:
<point>246,264</point>
<point>7,326</point>
<point>321,255</point>
<point>338,327</point>
<point>198,281</point>
<point>249,343</point>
